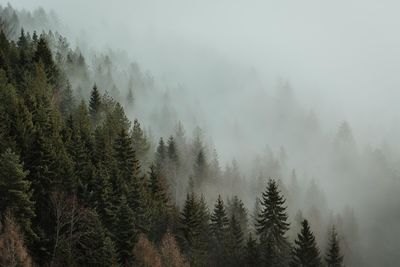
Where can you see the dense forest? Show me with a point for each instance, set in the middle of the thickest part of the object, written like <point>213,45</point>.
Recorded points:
<point>85,182</point>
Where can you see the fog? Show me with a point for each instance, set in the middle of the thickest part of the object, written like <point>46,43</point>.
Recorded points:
<point>283,73</point>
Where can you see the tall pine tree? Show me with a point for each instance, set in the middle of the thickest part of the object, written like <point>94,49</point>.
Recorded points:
<point>333,256</point>
<point>306,253</point>
<point>271,226</point>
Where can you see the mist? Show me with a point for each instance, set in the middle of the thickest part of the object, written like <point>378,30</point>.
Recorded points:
<point>309,85</point>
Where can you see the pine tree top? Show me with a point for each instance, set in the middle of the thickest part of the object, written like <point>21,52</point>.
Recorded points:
<point>333,256</point>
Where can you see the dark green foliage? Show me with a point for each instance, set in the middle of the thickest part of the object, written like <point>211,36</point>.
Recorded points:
<point>161,155</point>
<point>172,152</point>
<point>235,207</point>
<point>125,232</point>
<point>67,104</point>
<point>219,220</point>
<point>200,168</point>
<point>193,230</point>
<point>234,243</point>
<point>251,256</point>
<point>159,208</point>
<point>333,256</point>
<point>95,106</point>
<point>271,226</point>
<point>95,248</point>
<point>305,252</point>
<point>219,230</point>
<point>139,140</point>
<point>43,55</point>
<point>15,193</point>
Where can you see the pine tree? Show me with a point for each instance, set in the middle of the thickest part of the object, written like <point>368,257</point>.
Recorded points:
<point>251,253</point>
<point>139,141</point>
<point>15,192</point>
<point>130,182</point>
<point>189,228</point>
<point>235,207</point>
<point>271,226</point>
<point>157,187</point>
<point>172,153</point>
<point>306,252</point>
<point>333,256</point>
<point>159,205</point>
<point>219,220</point>
<point>200,168</point>
<point>95,106</point>
<point>43,55</point>
<point>67,104</point>
<point>161,155</point>
<point>127,164</point>
<point>95,248</point>
<point>219,230</point>
<point>125,231</point>
<point>234,243</point>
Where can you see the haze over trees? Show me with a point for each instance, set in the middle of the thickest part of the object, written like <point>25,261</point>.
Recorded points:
<point>98,167</point>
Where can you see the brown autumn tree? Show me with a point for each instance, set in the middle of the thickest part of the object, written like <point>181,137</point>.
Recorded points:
<point>146,255</point>
<point>171,255</point>
<point>13,251</point>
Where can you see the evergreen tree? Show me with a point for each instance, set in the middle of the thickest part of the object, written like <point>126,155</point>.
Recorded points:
<point>219,220</point>
<point>67,104</point>
<point>251,253</point>
<point>172,153</point>
<point>43,55</point>
<point>306,252</point>
<point>15,193</point>
<point>139,140</point>
<point>130,182</point>
<point>125,232</point>
<point>95,106</point>
<point>219,230</point>
<point>234,243</point>
<point>200,168</point>
<point>161,155</point>
<point>333,256</point>
<point>271,226</point>
<point>235,207</point>
<point>159,205</point>
<point>95,248</point>
<point>191,226</point>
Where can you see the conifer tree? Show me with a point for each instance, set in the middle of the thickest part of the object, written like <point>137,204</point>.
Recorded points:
<point>271,226</point>
<point>125,231</point>
<point>67,104</point>
<point>161,155</point>
<point>95,106</point>
<point>305,252</point>
<point>172,152</point>
<point>236,207</point>
<point>139,140</point>
<point>159,205</point>
<point>95,248</point>
<point>15,192</point>
<point>200,168</point>
<point>43,55</point>
<point>189,228</point>
<point>234,243</point>
<point>333,256</point>
<point>219,230</point>
<point>219,220</point>
<point>251,253</point>
<point>130,182</point>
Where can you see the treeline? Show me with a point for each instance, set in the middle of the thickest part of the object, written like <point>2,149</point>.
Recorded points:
<point>76,189</point>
